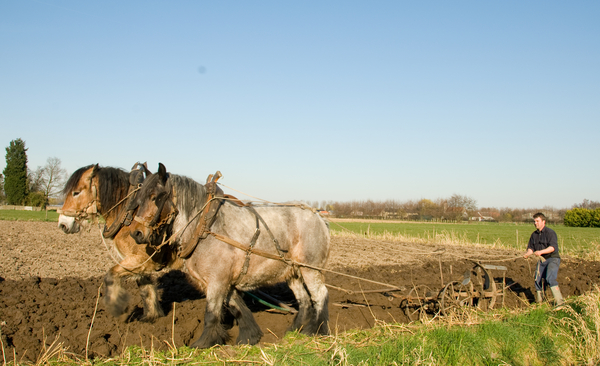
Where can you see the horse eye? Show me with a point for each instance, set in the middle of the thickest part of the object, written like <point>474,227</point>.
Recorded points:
<point>75,194</point>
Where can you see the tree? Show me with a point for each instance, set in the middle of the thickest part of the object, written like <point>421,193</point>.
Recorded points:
<point>35,180</point>
<point>427,209</point>
<point>457,200</point>
<point>582,217</point>
<point>15,173</point>
<point>588,204</point>
<point>53,177</point>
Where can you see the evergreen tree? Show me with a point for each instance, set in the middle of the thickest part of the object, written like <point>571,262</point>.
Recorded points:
<point>15,173</point>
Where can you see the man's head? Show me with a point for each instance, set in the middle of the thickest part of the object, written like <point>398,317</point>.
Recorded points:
<point>539,220</point>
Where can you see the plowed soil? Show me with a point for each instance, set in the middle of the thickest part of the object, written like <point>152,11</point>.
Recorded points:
<point>49,285</point>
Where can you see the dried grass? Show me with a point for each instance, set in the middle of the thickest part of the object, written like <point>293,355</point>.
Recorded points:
<point>582,329</point>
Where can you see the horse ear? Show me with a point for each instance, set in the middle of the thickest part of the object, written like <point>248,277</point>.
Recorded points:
<point>95,170</point>
<point>146,170</point>
<point>162,173</point>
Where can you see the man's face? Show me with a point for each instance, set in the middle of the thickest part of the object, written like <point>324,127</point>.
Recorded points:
<point>539,223</point>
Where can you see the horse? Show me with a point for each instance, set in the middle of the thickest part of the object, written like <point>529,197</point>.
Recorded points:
<point>172,206</point>
<point>94,190</point>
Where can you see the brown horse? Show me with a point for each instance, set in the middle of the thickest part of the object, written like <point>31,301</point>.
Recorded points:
<point>95,190</point>
<point>170,204</point>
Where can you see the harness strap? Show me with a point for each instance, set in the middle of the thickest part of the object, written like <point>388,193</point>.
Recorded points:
<point>248,253</point>
<point>245,248</point>
<point>275,242</point>
<point>126,215</point>
<point>207,217</point>
<point>136,177</point>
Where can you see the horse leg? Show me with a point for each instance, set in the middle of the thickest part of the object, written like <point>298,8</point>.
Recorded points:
<point>313,300</point>
<point>250,332</point>
<point>214,332</point>
<point>305,309</point>
<point>115,297</point>
<point>150,298</point>
<point>315,283</point>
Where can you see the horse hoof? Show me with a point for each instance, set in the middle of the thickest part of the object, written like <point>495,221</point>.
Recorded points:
<point>116,309</point>
<point>207,342</point>
<point>249,340</point>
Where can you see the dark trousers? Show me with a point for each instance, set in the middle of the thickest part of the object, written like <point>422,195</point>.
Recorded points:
<point>548,271</point>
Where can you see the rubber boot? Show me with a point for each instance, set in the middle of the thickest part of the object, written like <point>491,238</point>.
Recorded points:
<point>557,296</point>
<point>538,297</point>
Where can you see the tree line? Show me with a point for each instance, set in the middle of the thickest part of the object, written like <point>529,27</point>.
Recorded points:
<point>21,186</point>
<point>455,209</point>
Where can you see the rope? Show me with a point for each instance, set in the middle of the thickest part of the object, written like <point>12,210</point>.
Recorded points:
<point>301,205</point>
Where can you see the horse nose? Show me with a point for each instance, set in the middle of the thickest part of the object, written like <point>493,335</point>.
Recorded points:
<point>64,228</point>
<point>138,236</point>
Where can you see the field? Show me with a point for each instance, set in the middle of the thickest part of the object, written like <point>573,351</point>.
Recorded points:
<point>29,215</point>
<point>576,241</point>
<point>62,275</point>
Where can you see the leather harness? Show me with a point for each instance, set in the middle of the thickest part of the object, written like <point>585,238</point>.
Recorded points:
<point>136,177</point>
<point>215,198</point>
<point>208,215</point>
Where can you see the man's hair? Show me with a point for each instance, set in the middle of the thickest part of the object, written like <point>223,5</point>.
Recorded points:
<point>540,215</point>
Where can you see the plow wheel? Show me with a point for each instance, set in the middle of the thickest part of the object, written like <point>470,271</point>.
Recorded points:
<point>420,304</point>
<point>485,287</point>
<point>454,296</point>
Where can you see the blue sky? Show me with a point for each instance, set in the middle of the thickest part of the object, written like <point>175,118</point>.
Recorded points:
<point>315,100</point>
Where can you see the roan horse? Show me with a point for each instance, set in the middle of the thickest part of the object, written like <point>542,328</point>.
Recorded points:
<point>95,190</point>
<point>222,270</point>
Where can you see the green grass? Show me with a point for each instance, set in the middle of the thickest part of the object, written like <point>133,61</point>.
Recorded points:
<point>571,240</point>
<point>15,215</point>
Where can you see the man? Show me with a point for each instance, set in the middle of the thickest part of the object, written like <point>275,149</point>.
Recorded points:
<point>543,242</point>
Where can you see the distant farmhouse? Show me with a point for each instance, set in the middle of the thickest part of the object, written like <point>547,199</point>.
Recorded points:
<point>489,216</point>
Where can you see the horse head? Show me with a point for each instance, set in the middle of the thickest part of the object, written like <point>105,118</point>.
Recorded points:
<point>95,190</point>
<point>81,198</point>
<point>155,209</point>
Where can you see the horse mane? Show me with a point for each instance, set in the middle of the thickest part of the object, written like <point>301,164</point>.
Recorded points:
<point>113,186</point>
<point>74,179</point>
<point>191,195</point>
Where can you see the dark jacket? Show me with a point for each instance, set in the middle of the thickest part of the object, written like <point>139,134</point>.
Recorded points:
<point>540,240</point>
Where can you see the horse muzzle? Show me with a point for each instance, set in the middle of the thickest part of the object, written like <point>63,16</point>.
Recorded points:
<point>68,224</point>
<point>141,237</point>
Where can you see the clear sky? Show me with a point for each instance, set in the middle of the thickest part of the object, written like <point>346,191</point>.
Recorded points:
<point>315,100</point>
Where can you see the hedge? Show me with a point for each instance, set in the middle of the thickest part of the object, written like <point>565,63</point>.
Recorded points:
<point>582,217</point>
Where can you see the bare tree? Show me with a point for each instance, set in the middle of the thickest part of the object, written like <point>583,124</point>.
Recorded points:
<point>457,200</point>
<point>35,179</point>
<point>53,177</point>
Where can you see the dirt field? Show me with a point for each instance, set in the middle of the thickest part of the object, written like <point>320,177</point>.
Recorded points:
<point>49,282</point>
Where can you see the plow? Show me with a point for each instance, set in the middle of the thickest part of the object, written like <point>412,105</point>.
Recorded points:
<point>476,290</point>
